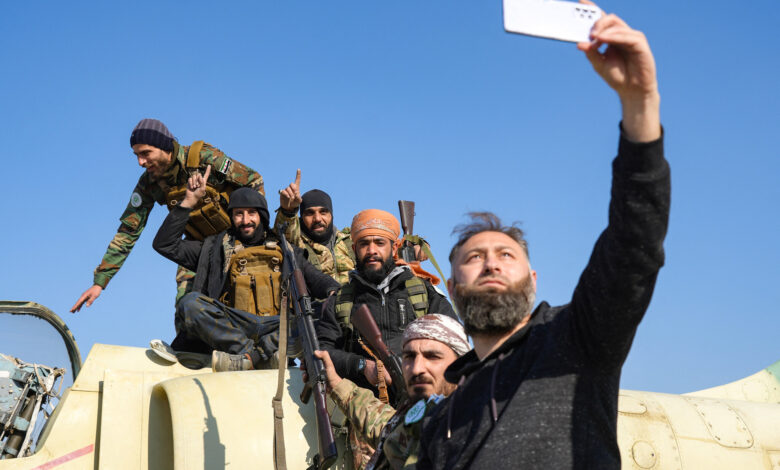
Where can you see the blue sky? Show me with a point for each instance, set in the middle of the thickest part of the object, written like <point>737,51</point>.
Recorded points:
<point>375,102</point>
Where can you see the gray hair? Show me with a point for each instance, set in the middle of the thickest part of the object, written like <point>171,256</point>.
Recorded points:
<point>487,222</point>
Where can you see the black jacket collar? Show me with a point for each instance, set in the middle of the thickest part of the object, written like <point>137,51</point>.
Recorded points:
<point>400,278</point>
<point>469,362</point>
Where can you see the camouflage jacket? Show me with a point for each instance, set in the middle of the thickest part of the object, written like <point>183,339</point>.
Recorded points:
<point>395,434</point>
<point>336,264</point>
<point>225,173</point>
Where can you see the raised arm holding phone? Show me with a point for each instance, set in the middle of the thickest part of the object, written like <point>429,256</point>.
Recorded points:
<point>540,388</point>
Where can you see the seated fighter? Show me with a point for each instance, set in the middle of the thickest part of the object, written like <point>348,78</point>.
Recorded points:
<point>430,344</point>
<point>238,288</point>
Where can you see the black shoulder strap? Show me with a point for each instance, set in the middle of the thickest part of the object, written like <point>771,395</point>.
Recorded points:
<point>202,272</point>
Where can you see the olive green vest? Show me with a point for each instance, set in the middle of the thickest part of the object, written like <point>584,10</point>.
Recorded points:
<point>345,299</point>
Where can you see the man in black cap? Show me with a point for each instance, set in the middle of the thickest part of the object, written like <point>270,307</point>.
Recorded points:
<point>327,249</point>
<point>233,309</point>
<point>168,166</point>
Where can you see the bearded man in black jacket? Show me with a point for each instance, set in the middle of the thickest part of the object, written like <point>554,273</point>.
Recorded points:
<point>393,293</point>
<point>540,388</point>
<point>239,287</point>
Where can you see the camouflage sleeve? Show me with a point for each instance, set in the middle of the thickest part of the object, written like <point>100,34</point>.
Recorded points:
<point>367,414</point>
<point>226,170</point>
<point>344,256</point>
<point>132,223</point>
<point>293,231</point>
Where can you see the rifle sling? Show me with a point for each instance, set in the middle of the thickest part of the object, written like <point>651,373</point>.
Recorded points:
<point>280,458</point>
<point>380,374</point>
<point>417,240</point>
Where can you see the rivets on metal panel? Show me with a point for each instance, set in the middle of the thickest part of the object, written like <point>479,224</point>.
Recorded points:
<point>644,454</point>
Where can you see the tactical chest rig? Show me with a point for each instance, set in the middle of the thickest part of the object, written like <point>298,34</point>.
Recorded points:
<point>345,298</point>
<point>254,279</point>
<point>210,216</point>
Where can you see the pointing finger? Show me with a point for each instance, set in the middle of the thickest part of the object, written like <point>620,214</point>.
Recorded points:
<point>298,178</point>
<point>208,172</point>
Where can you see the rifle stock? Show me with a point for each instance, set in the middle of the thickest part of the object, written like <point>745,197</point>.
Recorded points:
<point>364,322</point>
<point>406,209</point>
<point>303,310</point>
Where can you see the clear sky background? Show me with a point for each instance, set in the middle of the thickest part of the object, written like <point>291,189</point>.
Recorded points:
<point>379,101</point>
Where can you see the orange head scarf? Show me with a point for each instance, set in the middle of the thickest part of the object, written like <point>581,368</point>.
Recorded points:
<point>375,222</point>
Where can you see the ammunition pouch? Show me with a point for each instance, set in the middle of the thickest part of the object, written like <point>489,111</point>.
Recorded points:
<point>210,216</point>
<point>255,280</point>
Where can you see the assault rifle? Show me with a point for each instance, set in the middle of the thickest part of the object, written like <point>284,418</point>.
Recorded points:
<point>406,208</point>
<point>369,331</point>
<point>302,308</point>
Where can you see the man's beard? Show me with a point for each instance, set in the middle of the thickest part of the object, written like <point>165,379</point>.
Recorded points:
<point>321,237</point>
<point>255,238</point>
<point>489,312</point>
<point>444,388</point>
<point>375,276</point>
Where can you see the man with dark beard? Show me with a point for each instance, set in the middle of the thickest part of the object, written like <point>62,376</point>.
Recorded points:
<point>540,389</point>
<point>393,293</point>
<point>242,267</point>
<point>395,296</point>
<point>327,249</point>
<point>430,344</point>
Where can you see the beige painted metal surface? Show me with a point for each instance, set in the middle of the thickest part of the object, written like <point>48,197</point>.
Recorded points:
<point>130,410</point>
<point>761,387</point>
<point>660,431</point>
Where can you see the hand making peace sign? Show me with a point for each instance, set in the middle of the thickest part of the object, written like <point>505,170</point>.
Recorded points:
<point>196,188</point>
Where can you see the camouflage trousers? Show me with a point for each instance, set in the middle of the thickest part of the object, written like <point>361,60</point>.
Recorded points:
<point>225,328</point>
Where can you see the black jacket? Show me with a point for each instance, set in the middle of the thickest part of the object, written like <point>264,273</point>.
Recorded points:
<point>207,258</point>
<point>547,398</point>
<point>385,307</point>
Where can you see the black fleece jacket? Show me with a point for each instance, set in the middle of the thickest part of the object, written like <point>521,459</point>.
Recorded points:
<point>206,258</point>
<point>547,398</point>
<point>391,310</point>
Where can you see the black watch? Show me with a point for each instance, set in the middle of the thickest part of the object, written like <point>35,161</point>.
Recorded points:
<point>361,365</point>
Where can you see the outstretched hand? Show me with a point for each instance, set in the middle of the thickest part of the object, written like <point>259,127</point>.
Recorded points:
<point>290,197</point>
<point>196,188</point>
<point>628,67</point>
<point>89,296</point>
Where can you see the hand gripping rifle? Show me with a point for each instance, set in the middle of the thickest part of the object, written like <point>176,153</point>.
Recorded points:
<point>369,331</point>
<point>406,252</point>
<point>302,308</point>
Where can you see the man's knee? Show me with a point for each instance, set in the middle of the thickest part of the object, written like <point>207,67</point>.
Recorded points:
<point>192,306</point>
<point>189,302</point>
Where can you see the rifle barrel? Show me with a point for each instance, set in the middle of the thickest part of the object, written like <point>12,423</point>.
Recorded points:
<point>315,386</point>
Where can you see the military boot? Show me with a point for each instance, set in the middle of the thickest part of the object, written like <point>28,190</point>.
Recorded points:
<point>225,362</point>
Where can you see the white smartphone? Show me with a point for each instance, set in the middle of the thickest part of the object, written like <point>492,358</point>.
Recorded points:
<point>552,19</point>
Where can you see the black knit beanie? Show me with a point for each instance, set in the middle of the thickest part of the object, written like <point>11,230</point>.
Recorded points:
<point>316,198</point>
<point>152,132</point>
<point>248,197</point>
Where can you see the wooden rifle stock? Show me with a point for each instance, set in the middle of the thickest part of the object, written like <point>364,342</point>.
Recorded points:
<point>406,208</point>
<point>303,310</point>
<point>364,322</point>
